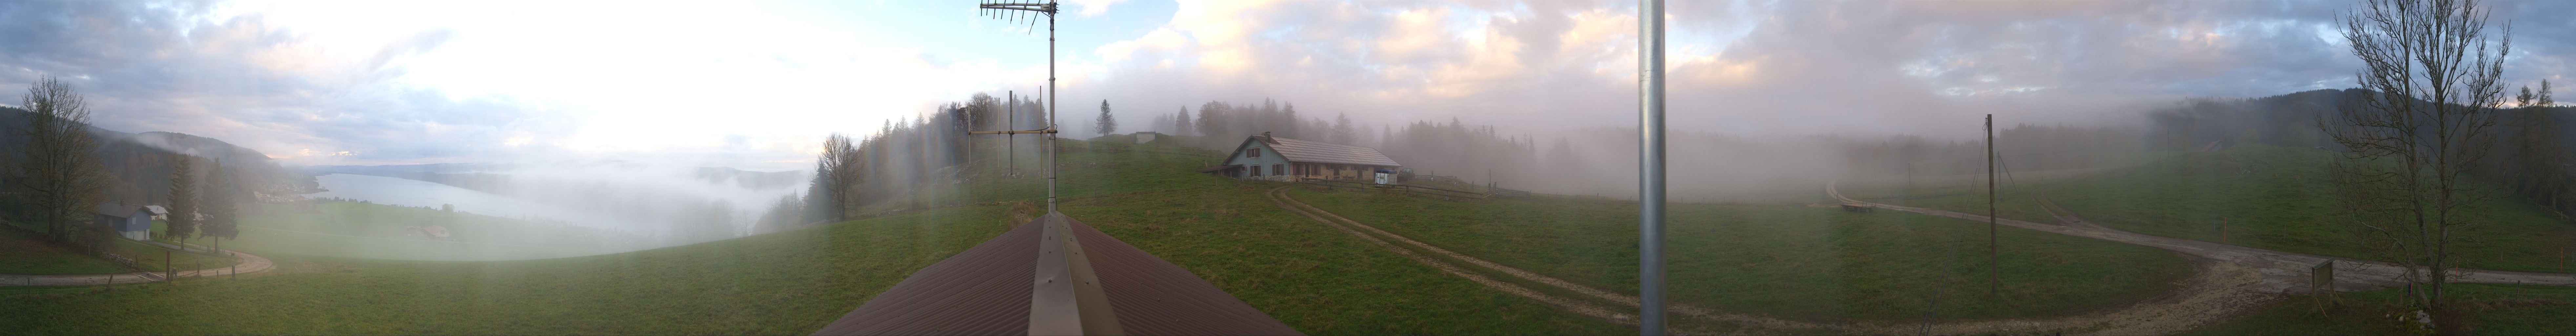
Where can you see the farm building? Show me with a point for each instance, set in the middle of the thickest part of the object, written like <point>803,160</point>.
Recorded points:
<point>158,212</point>
<point>1275,158</point>
<point>129,221</point>
<point>1147,137</point>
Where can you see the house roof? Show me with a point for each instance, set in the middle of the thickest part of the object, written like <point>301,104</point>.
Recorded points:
<point>1325,152</point>
<point>119,210</point>
<point>156,209</point>
<point>987,290</point>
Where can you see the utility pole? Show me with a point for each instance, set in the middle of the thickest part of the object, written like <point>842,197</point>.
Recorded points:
<point>1650,168</point>
<point>1994,263</point>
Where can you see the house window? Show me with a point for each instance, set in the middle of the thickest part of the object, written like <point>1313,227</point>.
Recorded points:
<point>1252,153</point>
<point>1278,169</point>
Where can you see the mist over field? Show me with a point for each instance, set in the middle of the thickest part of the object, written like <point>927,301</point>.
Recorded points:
<point>1287,167</point>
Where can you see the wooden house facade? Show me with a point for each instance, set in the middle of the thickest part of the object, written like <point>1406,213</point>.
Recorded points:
<point>1275,158</point>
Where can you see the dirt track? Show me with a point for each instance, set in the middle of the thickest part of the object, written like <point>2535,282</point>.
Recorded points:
<point>2283,272</point>
<point>2220,289</point>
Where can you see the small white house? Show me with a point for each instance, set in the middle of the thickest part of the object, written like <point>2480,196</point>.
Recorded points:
<point>129,221</point>
<point>1147,137</point>
<point>158,212</point>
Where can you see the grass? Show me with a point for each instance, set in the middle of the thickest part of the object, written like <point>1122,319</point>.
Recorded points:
<point>2277,198</point>
<point>2492,310</point>
<point>377,231</point>
<point>1804,263</point>
<point>26,253</point>
<point>1317,280</point>
<point>789,283</point>
<point>2268,198</point>
<point>23,253</point>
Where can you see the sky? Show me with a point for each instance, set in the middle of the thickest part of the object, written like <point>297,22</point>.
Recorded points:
<point>756,85</point>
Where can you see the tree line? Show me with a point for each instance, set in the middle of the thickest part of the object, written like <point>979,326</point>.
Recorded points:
<point>58,183</point>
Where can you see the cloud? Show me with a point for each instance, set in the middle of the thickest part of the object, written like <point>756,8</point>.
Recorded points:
<point>526,85</point>
<point>180,67</point>
<point>1090,8</point>
<point>1759,68</point>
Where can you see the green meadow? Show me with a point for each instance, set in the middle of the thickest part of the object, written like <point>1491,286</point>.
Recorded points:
<point>1805,263</point>
<point>2278,198</point>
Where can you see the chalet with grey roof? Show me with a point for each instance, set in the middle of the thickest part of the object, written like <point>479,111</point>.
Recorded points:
<point>1276,158</point>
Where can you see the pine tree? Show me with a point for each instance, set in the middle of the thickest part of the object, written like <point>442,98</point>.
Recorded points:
<point>220,203</point>
<point>1290,127</point>
<point>1106,124</point>
<point>1342,132</point>
<point>1182,125</point>
<point>183,199</point>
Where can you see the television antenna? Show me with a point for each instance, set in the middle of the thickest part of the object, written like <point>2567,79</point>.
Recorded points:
<point>1015,12</point>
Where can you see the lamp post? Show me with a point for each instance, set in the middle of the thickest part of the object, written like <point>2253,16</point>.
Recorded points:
<point>1013,11</point>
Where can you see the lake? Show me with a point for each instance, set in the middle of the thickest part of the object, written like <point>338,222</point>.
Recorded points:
<point>417,193</point>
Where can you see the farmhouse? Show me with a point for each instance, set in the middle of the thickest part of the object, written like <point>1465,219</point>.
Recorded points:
<point>128,220</point>
<point>1147,137</point>
<point>1275,158</point>
<point>158,212</point>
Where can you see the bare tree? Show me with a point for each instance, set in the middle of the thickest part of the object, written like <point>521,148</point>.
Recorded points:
<point>836,177</point>
<point>183,198</point>
<point>2407,145</point>
<point>1106,124</point>
<point>57,170</point>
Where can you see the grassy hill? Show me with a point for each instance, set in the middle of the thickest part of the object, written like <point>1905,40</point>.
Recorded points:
<point>2268,197</point>
<point>22,252</point>
<point>1315,279</point>
<point>1806,263</point>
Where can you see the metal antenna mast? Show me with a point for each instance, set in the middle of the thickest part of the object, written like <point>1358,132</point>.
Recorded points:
<point>1650,168</point>
<point>1000,9</point>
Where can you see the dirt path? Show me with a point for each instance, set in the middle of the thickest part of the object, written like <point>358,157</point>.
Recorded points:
<point>2201,298</point>
<point>249,264</point>
<point>2283,272</point>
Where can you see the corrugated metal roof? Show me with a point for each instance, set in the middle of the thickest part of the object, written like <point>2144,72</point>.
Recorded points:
<point>1325,152</point>
<point>1154,297</point>
<point>981,291</point>
<point>986,290</point>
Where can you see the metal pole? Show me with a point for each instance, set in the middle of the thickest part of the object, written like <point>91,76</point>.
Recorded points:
<point>1011,144</point>
<point>1650,168</point>
<point>1051,99</point>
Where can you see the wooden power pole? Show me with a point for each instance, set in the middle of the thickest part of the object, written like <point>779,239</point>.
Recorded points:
<point>1994,263</point>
